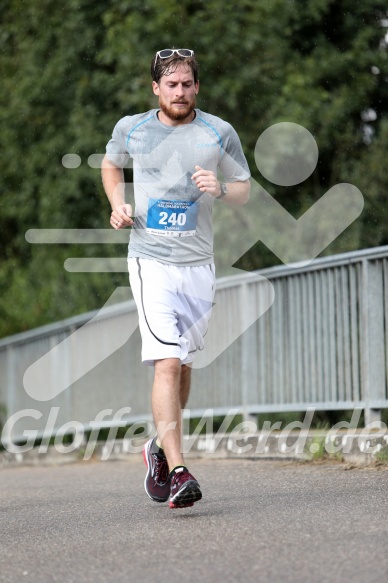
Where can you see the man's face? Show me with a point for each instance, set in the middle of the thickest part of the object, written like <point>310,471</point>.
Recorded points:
<point>176,92</point>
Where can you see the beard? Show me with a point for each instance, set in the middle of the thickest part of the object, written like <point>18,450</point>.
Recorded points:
<point>177,113</point>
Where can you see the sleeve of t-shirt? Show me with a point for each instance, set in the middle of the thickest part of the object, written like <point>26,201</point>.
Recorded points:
<point>116,149</point>
<point>233,164</point>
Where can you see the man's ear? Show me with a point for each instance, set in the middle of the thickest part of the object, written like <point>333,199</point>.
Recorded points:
<point>155,87</point>
<point>197,88</point>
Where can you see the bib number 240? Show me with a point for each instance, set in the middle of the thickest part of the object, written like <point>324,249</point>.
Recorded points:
<point>173,219</point>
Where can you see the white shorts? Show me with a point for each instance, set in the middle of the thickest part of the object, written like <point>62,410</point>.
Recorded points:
<point>174,305</point>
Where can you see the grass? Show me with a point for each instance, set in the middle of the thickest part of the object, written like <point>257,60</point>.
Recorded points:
<point>197,425</point>
<point>319,450</point>
<point>381,457</point>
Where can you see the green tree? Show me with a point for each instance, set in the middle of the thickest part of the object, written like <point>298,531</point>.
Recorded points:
<point>69,71</point>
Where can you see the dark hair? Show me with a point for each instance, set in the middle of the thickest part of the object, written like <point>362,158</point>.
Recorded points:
<point>160,66</point>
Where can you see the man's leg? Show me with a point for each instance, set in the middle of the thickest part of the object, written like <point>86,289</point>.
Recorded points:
<point>170,393</point>
<point>185,384</point>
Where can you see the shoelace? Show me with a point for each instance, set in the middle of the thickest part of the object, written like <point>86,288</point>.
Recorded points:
<point>181,477</point>
<point>160,474</point>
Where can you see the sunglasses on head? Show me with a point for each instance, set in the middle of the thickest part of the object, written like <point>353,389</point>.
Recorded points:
<point>167,53</point>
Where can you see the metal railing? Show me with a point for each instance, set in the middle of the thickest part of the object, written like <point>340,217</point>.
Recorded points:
<point>322,344</point>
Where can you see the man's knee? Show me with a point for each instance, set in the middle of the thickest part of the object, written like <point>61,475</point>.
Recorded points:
<point>168,367</point>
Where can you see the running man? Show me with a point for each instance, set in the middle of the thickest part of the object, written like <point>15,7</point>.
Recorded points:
<point>177,151</point>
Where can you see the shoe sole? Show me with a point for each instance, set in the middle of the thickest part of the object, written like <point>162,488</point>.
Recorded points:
<point>145,458</point>
<point>172,505</point>
<point>186,496</point>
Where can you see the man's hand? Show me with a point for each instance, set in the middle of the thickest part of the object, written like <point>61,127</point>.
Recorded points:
<point>206,181</point>
<point>237,192</point>
<point>121,216</point>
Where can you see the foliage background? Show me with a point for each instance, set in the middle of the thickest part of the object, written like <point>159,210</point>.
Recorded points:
<point>70,70</point>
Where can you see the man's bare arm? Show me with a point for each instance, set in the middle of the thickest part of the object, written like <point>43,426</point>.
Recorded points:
<point>113,181</point>
<point>237,193</point>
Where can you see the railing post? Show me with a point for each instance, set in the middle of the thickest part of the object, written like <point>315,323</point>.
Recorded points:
<point>248,349</point>
<point>372,337</point>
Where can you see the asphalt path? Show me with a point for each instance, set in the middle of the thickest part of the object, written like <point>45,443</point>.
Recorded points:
<point>258,521</point>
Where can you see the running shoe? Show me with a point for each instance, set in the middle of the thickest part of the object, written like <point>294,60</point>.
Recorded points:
<point>185,489</point>
<point>157,483</point>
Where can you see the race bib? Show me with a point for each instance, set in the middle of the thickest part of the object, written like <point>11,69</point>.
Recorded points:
<point>172,218</point>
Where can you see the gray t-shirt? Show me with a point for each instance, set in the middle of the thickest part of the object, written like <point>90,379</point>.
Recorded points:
<point>172,216</point>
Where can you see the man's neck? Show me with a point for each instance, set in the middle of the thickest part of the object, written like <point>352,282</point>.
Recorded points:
<point>163,118</point>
